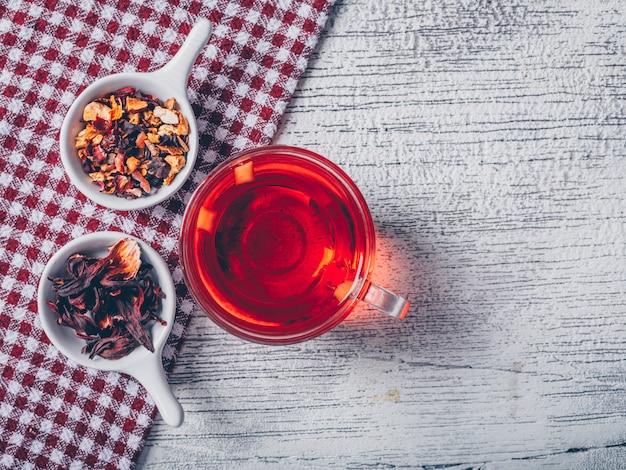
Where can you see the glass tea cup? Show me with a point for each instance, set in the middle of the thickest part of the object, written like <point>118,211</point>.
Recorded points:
<point>277,246</point>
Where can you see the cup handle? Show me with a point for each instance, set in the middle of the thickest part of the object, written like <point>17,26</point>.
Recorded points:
<point>386,301</point>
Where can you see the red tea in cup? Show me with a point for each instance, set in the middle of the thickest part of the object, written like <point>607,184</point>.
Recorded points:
<point>277,245</point>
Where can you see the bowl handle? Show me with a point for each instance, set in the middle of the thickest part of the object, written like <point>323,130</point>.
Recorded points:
<point>152,376</point>
<point>177,70</point>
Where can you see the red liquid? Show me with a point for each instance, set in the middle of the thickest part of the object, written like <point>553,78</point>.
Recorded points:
<point>270,253</point>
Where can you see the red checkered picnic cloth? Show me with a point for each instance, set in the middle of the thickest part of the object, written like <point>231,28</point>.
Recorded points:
<point>53,413</point>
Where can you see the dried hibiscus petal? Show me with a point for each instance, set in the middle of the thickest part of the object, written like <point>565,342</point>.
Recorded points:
<point>109,301</point>
<point>111,348</point>
<point>125,132</point>
<point>130,311</point>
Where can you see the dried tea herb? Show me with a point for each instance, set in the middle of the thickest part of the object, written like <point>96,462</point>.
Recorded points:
<point>109,301</point>
<point>132,143</point>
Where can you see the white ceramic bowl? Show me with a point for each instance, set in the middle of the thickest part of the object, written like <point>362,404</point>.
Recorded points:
<point>167,82</point>
<point>145,366</point>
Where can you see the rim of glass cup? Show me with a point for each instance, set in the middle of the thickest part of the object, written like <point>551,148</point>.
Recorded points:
<point>213,309</point>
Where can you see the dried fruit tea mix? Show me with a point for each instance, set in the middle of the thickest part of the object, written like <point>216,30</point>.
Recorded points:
<point>132,143</point>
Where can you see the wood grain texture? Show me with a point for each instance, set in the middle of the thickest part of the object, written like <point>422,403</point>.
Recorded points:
<point>488,138</point>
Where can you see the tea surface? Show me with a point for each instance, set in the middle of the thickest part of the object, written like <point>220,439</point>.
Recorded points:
<point>274,250</point>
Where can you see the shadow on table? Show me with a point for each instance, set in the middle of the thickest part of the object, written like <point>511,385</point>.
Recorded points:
<point>414,266</point>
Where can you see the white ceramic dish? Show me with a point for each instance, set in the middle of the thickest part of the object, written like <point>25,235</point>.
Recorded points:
<point>164,83</point>
<point>145,366</point>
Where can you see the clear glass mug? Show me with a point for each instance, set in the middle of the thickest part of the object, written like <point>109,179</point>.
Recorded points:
<point>277,246</point>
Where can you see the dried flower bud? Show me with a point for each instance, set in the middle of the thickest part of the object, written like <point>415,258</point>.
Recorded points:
<point>109,301</point>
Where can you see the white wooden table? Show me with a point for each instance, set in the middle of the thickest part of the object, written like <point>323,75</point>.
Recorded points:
<point>488,138</point>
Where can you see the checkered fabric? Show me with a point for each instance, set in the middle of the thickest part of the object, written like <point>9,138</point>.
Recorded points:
<point>54,413</point>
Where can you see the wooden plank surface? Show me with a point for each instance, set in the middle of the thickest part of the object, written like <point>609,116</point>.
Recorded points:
<point>488,138</point>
